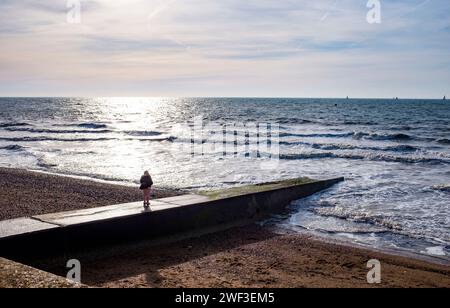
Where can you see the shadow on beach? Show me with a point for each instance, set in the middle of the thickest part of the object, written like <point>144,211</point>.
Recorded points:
<point>147,258</point>
<point>247,256</point>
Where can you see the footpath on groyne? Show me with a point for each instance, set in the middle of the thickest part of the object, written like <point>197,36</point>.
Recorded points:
<point>60,233</point>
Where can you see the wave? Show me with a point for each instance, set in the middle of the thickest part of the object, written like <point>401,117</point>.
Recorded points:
<point>57,131</point>
<point>357,123</point>
<point>138,133</point>
<point>359,218</point>
<point>317,156</point>
<point>83,175</point>
<point>392,224</point>
<point>326,135</point>
<point>171,138</point>
<point>404,127</point>
<point>156,139</point>
<point>398,148</point>
<point>372,157</point>
<point>444,141</point>
<point>355,228</point>
<point>42,164</point>
<point>333,147</point>
<point>361,135</point>
<point>303,121</point>
<point>354,135</point>
<point>37,139</point>
<point>3,125</point>
<point>91,125</point>
<point>334,123</point>
<point>14,147</point>
<point>445,187</point>
<point>83,131</point>
<point>293,121</point>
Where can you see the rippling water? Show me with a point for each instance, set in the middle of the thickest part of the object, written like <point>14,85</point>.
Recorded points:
<point>394,154</point>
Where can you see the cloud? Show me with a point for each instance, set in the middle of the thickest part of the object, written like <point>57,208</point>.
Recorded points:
<point>225,48</point>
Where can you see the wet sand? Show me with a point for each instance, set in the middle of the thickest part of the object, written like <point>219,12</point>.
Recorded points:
<point>248,256</point>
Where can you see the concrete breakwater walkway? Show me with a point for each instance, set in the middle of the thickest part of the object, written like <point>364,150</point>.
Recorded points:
<point>66,232</point>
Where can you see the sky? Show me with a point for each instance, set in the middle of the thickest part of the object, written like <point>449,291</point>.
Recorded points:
<point>225,48</point>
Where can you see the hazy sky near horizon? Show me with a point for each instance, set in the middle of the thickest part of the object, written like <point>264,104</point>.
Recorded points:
<point>277,48</point>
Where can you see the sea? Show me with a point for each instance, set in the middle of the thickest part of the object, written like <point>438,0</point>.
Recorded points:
<point>394,155</point>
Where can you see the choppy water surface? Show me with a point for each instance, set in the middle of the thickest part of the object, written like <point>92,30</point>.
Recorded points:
<point>395,155</point>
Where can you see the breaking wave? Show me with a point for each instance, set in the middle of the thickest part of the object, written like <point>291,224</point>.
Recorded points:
<point>354,135</point>
<point>332,147</point>
<point>139,133</point>
<point>3,125</point>
<point>444,187</point>
<point>361,135</point>
<point>57,131</point>
<point>326,135</point>
<point>372,157</point>
<point>444,141</point>
<point>14,147</point>
<point>43,138</point>
<point>91,125</point>
<point>293,121</point>
<point>37,139</point>
<point>359,217</point>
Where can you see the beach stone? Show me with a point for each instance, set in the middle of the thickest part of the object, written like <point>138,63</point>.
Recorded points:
<point>16,275</point>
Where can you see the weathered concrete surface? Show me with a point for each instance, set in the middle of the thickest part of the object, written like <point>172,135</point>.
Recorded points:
<point>248,189</point>
<point>16,275</point>
<point>118,211</point>
<point>22,226</point>
<point>72,231</point>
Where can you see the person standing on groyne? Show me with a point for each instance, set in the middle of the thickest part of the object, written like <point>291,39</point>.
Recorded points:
<point>146,186</point>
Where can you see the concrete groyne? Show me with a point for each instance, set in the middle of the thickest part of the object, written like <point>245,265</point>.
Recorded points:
<point>62,233</point>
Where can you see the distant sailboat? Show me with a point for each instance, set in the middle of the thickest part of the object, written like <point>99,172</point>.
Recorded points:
<point>347,97</point>
<point>445,98</point>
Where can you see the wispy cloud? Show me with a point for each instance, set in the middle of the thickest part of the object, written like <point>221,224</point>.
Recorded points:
<point>254,47</point>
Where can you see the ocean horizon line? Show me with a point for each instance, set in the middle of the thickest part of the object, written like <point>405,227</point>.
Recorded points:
<point>230,97</point>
